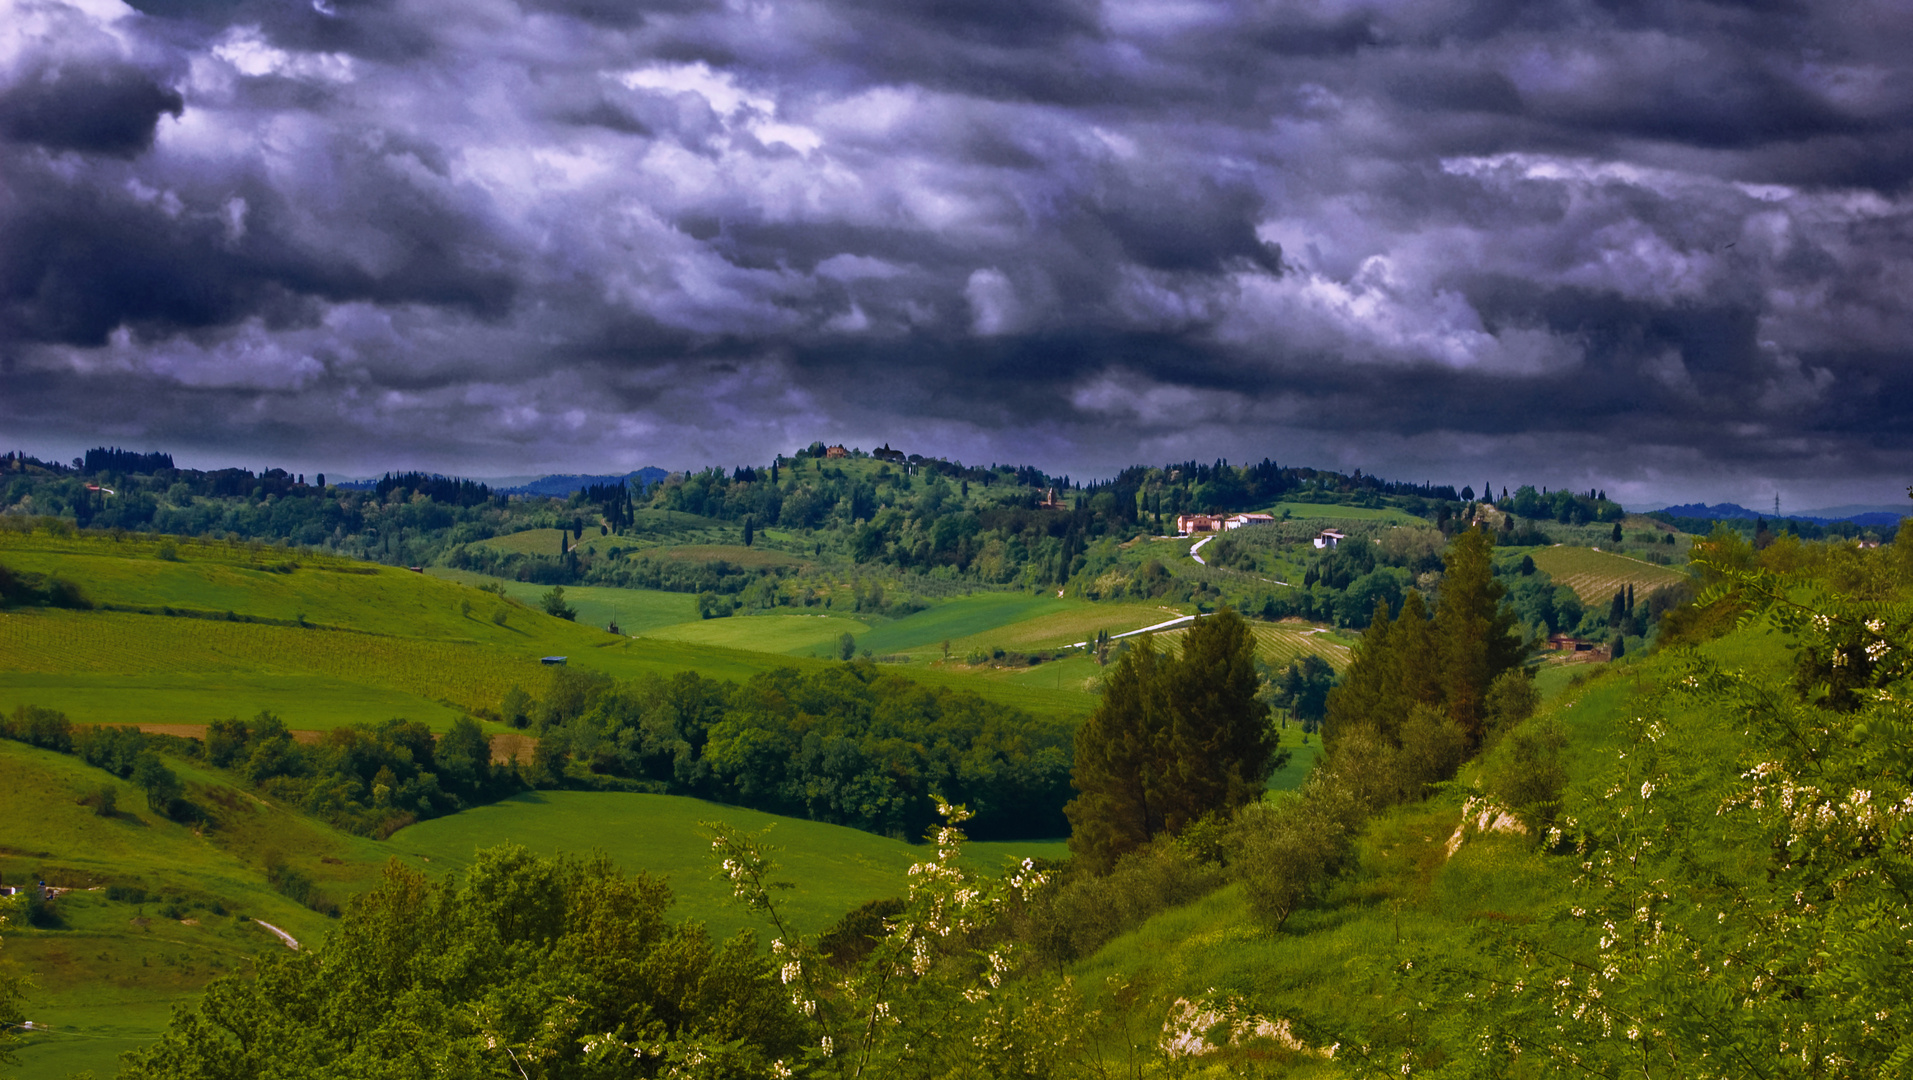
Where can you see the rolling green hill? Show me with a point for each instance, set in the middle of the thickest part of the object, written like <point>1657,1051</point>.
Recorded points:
<point>835,868</point>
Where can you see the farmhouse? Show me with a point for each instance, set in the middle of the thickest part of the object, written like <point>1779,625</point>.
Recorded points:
<point>1329,538</point>
<point>1191,524</point>
<point>1236,521</point>
<point>835,451</point>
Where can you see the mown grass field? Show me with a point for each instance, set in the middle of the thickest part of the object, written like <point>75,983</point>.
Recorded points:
<point>834,868</point>
<point>1595,576</point>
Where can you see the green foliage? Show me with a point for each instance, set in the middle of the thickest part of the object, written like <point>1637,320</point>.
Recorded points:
<point>558,968</point>
<point>936,994</point>
<point>39,590</point>
<point>1290,850</point>
<point>160,783</point>
<point>1173,740</point>
<point>1741,904</point>
<point>845,745</point>
<point>553,604</point>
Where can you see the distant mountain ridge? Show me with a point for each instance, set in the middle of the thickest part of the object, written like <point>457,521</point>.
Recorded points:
<point>563,485</point>
<point>1873,515</point>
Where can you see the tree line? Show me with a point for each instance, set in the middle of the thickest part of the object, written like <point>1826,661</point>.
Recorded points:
<point>848,745</point>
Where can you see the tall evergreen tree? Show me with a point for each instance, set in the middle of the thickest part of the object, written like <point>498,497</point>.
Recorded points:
<point>1117,750</point>
<point>1173,739</point>
<point>1475,633</point>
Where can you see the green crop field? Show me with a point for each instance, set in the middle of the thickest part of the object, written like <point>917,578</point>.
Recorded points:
<point>1282,643</point>
<point>634,610</point>
<point>1331,512</point>
<point>304,702</point>
<point>960,619</point>
<point>1595,576</point>
<point>530,542</point>
<point>834,868</point>
<point>781,631</point>
<point>1057,623</point>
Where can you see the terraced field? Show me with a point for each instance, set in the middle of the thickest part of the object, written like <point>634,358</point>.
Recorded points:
<point>1281,644</point>
<point>1595,576</point>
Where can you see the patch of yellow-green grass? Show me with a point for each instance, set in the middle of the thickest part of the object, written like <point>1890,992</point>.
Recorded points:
<point>959,619</point>
<point>531,542</point>
<point>736,554</point>
<point>465,674</point>
<point>834,868</point>
<point>108,975</point>
<point>635,611</point>
<point>772,632</point>
<point>305,703</point>
<point>1061,623</point>
<point>216,579</point>
<point>1329,512</point>
<point>1595,576</point>
<point>1304,751</point>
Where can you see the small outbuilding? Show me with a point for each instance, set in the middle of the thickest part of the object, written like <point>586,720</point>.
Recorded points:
<point>552,661</point>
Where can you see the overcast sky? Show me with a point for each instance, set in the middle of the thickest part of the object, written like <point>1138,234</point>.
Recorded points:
<point>1661,248</point>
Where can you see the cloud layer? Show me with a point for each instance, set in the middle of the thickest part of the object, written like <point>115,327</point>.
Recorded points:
<point>1660,248</point>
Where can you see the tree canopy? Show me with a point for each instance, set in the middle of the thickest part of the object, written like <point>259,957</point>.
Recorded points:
<point>1173,740</point>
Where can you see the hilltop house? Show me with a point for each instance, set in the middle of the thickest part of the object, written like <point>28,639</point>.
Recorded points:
<point>835,451</point>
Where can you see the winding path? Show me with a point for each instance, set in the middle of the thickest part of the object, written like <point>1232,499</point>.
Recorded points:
<point>291,942</point>
<point>1197,546</point>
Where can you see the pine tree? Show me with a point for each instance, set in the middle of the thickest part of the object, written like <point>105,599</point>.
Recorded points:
<point>1475,633</point>
<point>1117,750</point>
<point>1172,740</point>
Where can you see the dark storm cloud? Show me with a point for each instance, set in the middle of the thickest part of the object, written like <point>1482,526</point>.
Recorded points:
<point>1659,248</point>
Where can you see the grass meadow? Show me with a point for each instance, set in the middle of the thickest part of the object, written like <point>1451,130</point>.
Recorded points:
<point>108,976</point>
<point>833,868</point>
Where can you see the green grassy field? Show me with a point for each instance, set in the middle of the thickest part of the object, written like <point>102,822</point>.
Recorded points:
<point>1327,512</point>
<point>960,619</point>
<point>304,702</point>
<point>796,632</point>
<point>1595,576</point>
<point>834,868</point>
<point>109,975</point>
<point>636,611</point>
<point>435,651</point>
